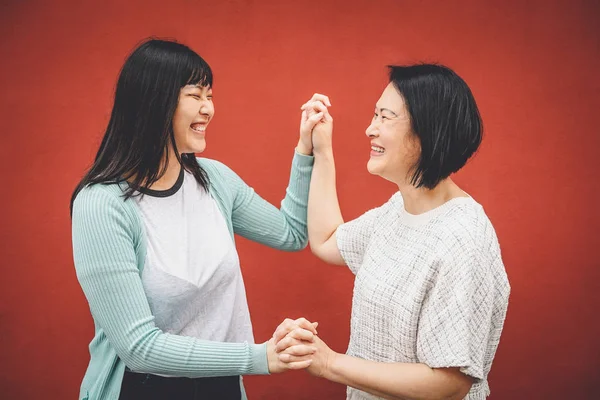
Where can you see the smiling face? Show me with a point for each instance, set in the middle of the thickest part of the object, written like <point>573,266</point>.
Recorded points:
<point>394,148</point>
<point>194,111</point>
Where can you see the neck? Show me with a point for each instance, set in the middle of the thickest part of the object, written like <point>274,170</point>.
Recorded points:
<point>171,174</point>
<point>421,200</point>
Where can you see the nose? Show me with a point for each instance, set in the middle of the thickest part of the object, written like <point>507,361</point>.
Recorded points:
<point>371,130</point>
<point>207,109</point>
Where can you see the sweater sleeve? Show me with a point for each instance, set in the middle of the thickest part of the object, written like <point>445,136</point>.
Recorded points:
<point>106,264</point>
<point>256,219</point>
<point>354,236</point>
<point>462,316</point>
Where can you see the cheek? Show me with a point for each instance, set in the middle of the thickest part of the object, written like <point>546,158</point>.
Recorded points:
<point>178,125</point>
<point>412,152</point>
<point>183,117</point>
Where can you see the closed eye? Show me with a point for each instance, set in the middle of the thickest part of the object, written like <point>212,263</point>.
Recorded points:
<point>383,117</point>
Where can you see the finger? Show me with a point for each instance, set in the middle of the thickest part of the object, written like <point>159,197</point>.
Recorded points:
<point>299,364</point>
<point>321,97</point>
<point>285,323</point>
<point>306,324</point>
<point>286,326</point>
<point>315,324</point>
<point>287,342</point>
<point>289,358</point>
<point>319,106</point>
<point>316,117</point>
<point>310,112</point>
<point>280,333</point>
<point>315,105</point>
<point>302,334</point>
<point>311,122</point>
<point>300,350</point>
<point>304,117</point>
<point>297,336</point>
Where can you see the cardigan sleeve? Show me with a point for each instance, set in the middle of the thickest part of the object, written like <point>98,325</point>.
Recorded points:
<point>256,219</point>
<point>105,261</point>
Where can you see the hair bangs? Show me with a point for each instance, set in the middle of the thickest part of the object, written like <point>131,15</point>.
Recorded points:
<point>198,72</point>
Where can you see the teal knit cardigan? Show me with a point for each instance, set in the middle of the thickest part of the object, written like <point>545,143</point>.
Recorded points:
<point>109,249</point>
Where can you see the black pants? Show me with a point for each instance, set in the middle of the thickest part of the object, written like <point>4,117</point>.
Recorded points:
<point>152,387</point>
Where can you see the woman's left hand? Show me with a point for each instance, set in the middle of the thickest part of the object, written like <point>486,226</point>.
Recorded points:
<point>314,113</point>
<point>290,350</point>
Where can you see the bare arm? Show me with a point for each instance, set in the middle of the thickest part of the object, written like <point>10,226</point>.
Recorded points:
<point>398,380</point>
<point>324,214</point>
<point>406,381</point>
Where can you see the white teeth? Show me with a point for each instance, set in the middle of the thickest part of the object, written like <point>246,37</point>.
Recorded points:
<point>199,128</point>
<point>377,149</point>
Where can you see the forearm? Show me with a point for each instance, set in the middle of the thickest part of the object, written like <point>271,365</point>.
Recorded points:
<point>407,381</point>
<point>324,215</point>
<point>188,357</point>
<point>256,219</point>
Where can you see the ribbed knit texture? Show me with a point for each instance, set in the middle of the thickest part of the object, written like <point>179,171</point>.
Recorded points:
<point>109,249</point>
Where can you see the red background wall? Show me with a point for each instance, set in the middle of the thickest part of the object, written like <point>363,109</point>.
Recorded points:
<point>532,66</point>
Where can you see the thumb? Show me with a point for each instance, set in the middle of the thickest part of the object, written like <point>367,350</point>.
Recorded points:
<point>313,120</point>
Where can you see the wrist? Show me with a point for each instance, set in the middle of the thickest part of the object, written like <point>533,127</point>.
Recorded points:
<point>304,149</point>
<point>323,152</point>
<point>272,357</point>
<point>331,366</point>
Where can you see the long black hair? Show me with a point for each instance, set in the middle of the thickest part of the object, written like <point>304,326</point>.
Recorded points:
<point>140,129</point>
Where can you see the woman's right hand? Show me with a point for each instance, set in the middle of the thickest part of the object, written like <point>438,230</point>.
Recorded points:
<point>317,123</point>
<point>301,333</point>
<point>302,352</point>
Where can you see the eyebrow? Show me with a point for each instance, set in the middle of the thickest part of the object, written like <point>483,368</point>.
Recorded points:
<point>388,110</point>
<point>197,86</point>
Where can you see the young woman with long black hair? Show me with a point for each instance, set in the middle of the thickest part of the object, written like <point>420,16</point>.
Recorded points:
<point>153,246</point>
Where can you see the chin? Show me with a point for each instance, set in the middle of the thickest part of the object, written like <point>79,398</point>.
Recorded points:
<point>372,168</point>
<point>198,147</point>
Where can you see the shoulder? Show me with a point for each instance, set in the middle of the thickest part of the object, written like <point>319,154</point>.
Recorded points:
<point>466,231</point>
<point>214,167</point>
<point>100,202</point>
<point>366,223</point>
<point>99,192</point>
<point>466,219</point>
<point>393,205</point>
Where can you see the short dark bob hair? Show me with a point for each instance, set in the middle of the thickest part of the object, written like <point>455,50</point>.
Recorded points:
<point>443,116</point>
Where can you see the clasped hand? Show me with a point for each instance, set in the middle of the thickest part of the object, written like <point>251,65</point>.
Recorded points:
<point>316,124</point>
<point>296,345</point>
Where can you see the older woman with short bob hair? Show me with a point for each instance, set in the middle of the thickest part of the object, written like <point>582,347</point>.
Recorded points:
<point>431,292</point>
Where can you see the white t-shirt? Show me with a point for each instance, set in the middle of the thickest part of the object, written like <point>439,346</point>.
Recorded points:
<point>192,275</point>
<point>429,288</point>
